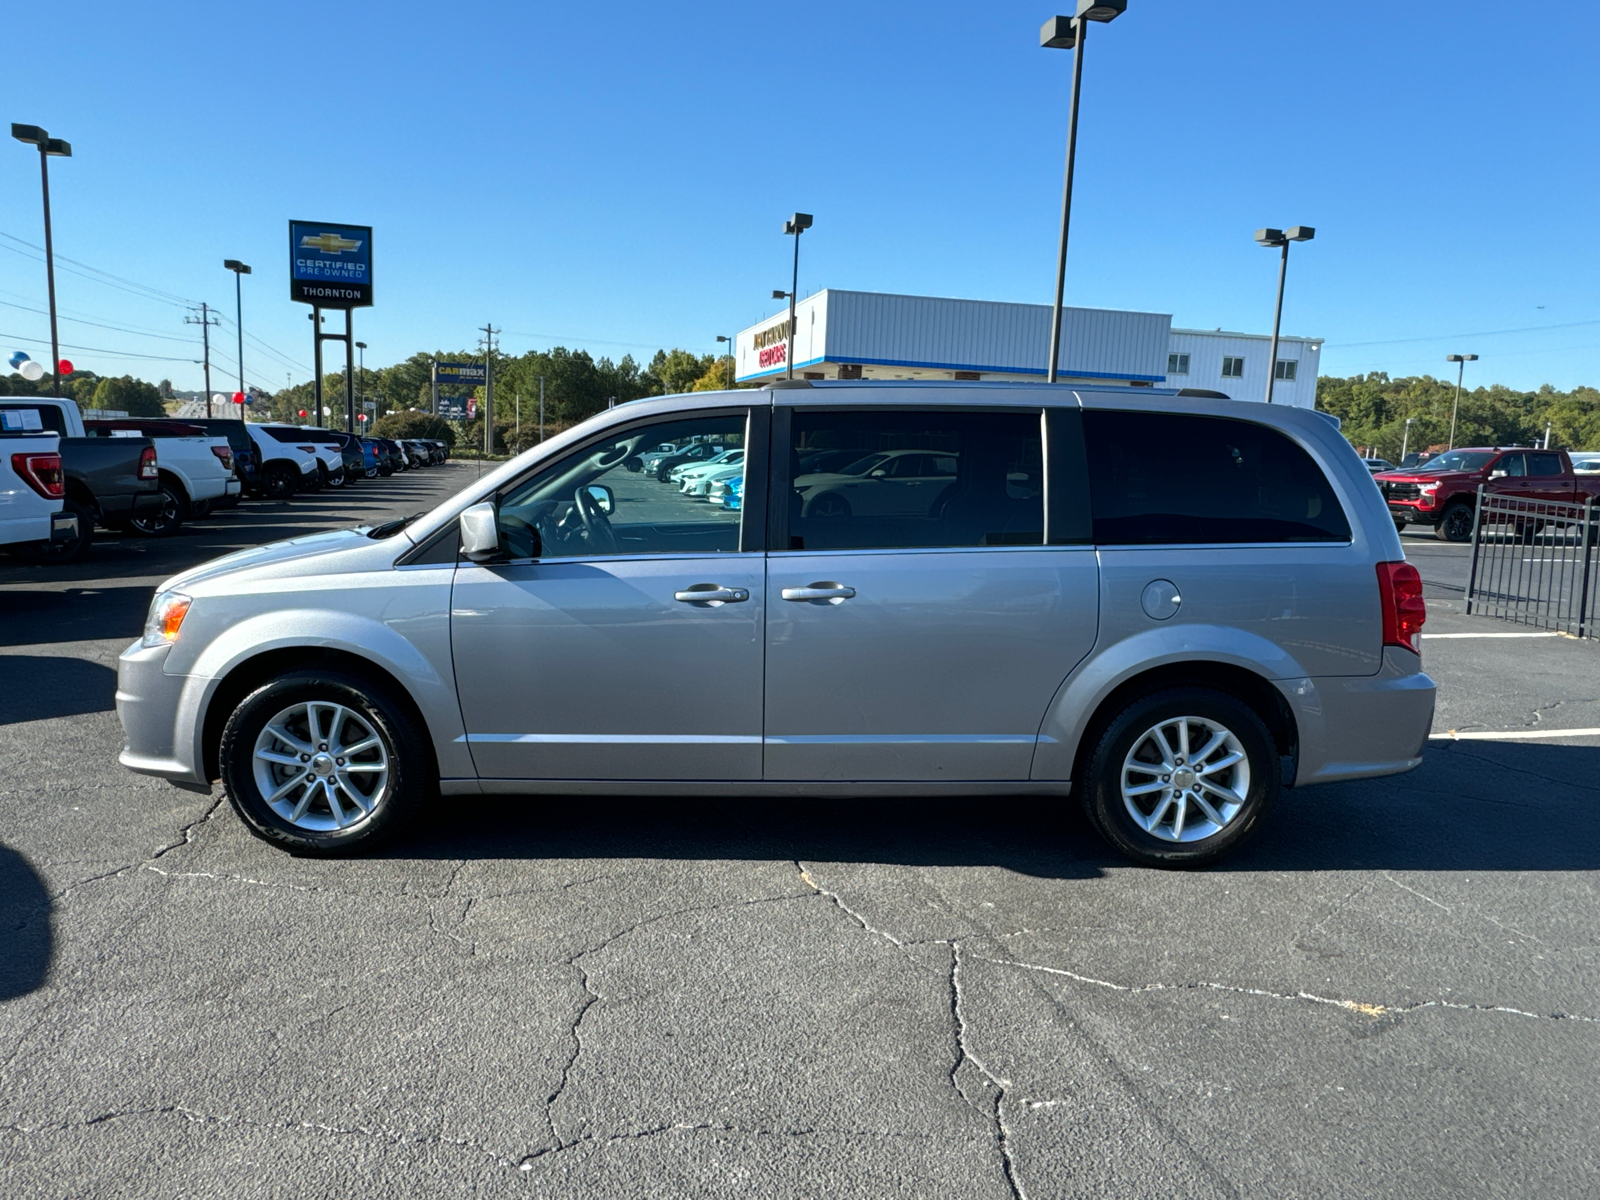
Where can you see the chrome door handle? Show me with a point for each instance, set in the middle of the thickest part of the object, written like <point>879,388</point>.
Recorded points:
<point>825,592</point>
<point>711,594</point>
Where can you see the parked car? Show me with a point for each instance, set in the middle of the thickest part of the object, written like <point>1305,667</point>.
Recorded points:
<point>33,487</point>
<point>1378,464</point>
<point>287,467</point>
<point>1586,463</point>
<point>1414,459</point>
<point>1443,493</point>
<point>246,460</point>
<point>369,458</point>
<point>109,481</point>
<point>700,483</point>
<point>421,455</point>
<point>324,443</point>
<point>727,493</point>
<point>689,470</point>
<point>388,462</point>
<point>892,482</point>
<point>696,452</point>
<point>1212,606</point>
<point>196,470</point>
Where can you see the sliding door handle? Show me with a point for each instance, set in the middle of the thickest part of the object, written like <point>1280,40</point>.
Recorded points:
<point>711,595</point>
<point>824,592</point>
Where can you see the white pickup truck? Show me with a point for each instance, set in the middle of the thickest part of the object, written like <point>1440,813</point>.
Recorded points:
<point>196,469</point>
<point>32,487</point>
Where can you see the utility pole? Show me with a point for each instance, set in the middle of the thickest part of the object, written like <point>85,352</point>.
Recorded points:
<point>205,320</point>
<point>488,386</point>
<point>541,408</point>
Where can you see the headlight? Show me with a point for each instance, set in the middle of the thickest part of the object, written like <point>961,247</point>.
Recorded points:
<point>167,612</point>
<point>1428,488</point>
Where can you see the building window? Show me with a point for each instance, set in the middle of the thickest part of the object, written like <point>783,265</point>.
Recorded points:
<point>1177,364</point>
<point>1287,368</point>
<point>1233,368</point>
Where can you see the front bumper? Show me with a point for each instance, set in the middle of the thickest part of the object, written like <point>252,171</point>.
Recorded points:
<point>150,707</point>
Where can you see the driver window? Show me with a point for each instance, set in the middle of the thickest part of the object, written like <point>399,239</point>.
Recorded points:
<point>670,488</point>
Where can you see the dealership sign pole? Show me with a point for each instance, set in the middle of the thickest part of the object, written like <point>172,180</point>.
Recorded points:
<point>330,266</point>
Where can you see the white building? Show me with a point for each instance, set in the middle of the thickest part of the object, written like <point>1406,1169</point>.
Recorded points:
<point>872,335</point>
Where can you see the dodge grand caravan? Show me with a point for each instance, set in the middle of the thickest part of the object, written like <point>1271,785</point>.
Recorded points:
<point>1166,608</point>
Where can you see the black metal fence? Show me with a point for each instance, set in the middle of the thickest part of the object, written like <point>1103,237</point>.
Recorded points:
<point>1533,562</point>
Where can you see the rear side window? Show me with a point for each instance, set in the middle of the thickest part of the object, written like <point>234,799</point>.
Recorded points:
<point>914,479</point>
<point>31,417</point>
<point>1174,479</point>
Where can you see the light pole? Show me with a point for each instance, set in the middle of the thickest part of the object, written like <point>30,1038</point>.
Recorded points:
<point>1273,238</point>
<point>1405,440</point>
<point>238,269</point>
<point>729,340</point>
<point>1461,369</point>
<point>49,147</point>
<point>1070,33</point>
<point>796,225</point>
<point>361,375</point>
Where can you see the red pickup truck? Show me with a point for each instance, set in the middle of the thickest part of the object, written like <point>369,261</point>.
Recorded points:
<point>1442,492</point>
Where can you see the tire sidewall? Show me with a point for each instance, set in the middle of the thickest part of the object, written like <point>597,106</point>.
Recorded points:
<point>408,782</point>
<point>1102,794</point>
<point>1446,528</point>
<point>175,501</point>
<point>278,483</point>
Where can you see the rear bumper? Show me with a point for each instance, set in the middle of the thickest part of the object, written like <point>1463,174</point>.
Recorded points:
<point>1361,726</point>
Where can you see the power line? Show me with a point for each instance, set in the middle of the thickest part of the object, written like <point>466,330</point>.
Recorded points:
<point>100,325</point>
<point>154,292</point>
<point>1447,337</point>
<point>17,337</point>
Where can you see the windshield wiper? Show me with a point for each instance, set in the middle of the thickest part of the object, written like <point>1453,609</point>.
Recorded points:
<point>390,528</point>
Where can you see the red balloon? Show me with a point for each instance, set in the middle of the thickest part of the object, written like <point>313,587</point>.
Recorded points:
<point>66,366</point>
<point>238,397</point>
<point>302,412</point>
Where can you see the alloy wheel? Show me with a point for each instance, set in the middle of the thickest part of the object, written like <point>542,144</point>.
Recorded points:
<point>1185,779</point>
<point>321,766</point>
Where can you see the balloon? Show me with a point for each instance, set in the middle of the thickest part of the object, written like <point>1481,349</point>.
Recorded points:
<point>32,370</point>
<point>238,397</point>
<point>302,412</point>
<point>218,398</point>
<point>66,366</point>
<point>17,359</point>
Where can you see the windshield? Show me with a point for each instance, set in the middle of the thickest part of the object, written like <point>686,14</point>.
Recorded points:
<point>1459,460</point>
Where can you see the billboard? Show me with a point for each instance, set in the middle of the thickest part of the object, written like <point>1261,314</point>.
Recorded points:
<point>330,265</point>
<point>467,375</point>
<point>453,408</point>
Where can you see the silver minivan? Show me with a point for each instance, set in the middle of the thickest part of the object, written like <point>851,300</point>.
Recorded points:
<point>1168,607</point>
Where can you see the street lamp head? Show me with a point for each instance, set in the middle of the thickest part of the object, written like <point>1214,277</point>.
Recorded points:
<point>798,223</point>
<point>1101,10</point>
<point>777,295</point>
<point>1270,237</point>
<point>57,148</point>
<point>361,345</point>
<point>1458,358</point>
<point>234,265</point>
<point>31,134</point>
<point>1300,233</point>
<point>720,338</point>
<point>1058,33</point>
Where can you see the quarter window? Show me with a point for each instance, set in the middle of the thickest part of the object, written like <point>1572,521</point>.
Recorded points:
<point>625,494</point>
<point>1177,364</point>
<point>893,480</point>
<point>1233,368</point>
<point>1174,479</point>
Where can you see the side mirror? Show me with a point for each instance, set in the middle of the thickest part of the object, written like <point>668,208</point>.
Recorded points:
<point>880,473</point>
<point>480,535</point>
<point>1497,474</point>
<point>604,497</point>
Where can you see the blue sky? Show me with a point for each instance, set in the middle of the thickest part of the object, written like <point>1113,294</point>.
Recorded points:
<point>615,177</point>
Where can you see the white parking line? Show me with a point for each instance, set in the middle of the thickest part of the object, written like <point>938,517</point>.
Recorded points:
<point>1510,734</point>
<point>1434,636</point>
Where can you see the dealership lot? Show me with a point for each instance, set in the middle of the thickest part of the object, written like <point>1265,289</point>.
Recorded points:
<point>1392,990</point>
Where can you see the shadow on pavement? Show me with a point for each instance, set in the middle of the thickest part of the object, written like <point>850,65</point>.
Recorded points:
<point>1481,806</point>
<point>25,939</point>
<point>71,614</point>
<point>39,687</point>
<point>1027,836</point>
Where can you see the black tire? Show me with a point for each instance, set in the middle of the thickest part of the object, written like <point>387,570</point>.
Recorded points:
<point>59,554</point>
<point>1127,731</point>
<point>279,481</point>
<point>167,519</point>
<point>199,509</point>
<point>829,504</point>
<point>385,470</point>
<point>1456,524</point>
<point>411,781</point>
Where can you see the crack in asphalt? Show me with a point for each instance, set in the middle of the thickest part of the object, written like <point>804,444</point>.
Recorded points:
<point>1370,1010</point>
<point>994,1108</point>
<point>529,1161</point>
<point>187,831</point>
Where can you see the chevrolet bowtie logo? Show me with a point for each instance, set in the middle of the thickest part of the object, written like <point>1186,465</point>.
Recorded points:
<point>328,243</point>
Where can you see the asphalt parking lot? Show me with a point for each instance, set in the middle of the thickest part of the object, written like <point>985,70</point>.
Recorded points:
<point>1392,991</point>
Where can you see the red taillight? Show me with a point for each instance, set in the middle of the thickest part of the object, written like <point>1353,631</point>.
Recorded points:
<point>225,453</point>
<point>147,464</point>
<point>307,449</point>
<point>41,472</point>
<point>1404,611</point>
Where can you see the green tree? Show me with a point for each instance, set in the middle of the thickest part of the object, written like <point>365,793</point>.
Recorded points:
<point>127,394</point>
<point>401,425</point>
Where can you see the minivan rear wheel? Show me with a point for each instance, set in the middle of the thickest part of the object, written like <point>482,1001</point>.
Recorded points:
<point>1181,777</point>
<point>322,763</point>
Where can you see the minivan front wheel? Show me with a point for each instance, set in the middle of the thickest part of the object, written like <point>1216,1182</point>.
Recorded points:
<point>1181,777</point>
<point>321,763</point>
